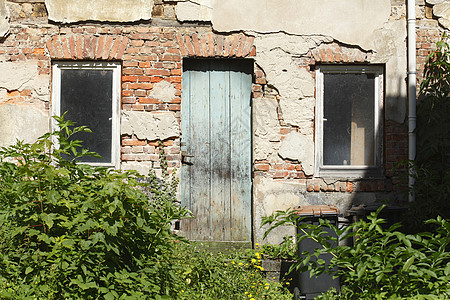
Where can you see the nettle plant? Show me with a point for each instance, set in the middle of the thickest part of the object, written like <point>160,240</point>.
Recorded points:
<point>74,231</point>
<point>382,264</point>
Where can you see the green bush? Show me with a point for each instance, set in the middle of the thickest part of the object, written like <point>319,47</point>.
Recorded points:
<point>204,275</point>
<point>432,163</point>
<point>74,231</point>
<point>382,264</point>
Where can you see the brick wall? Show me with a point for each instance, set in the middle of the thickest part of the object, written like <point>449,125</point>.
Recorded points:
<point>151,53</point>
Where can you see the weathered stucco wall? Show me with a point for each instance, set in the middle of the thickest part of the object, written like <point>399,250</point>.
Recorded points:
<point>23,97</point>
<point>99,10</point>
<point>286,40</point>
<point>350,21</point>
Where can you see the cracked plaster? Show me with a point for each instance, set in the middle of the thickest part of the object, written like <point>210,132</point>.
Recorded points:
<point>299,147</point>
<point>25,75</point>
<point>150,125</point>
<point>163,91</point>
<point>22,122</point>
<point>266,134</point>
<point>99,10</point>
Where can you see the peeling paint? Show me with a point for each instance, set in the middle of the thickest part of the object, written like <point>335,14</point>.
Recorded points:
<point>300,148</point>
<point>200,10</point>
<point>150,125</point>
<point>164,91</point>
<point>266,128</point>
<point>25,75</point>
<point>22,122</point>
<point>4,19</point>
<point>99,10</point>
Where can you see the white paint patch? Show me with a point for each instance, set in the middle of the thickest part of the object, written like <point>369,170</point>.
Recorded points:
<point>4,19</point>
<point>442,11</point>
<point>266,128</point>
<point>24,75</point>
<point>200,10</point>
<point>99,10</point>
<point>299,147</point>
<point>150,125</point>
<point>22,122</point>
<point>163,91</point>
<point>349,21</point>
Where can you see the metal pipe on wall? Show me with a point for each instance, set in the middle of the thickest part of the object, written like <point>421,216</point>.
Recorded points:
<point>412,71</point>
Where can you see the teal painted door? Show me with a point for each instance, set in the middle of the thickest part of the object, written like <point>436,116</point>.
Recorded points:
<point>216,148</point>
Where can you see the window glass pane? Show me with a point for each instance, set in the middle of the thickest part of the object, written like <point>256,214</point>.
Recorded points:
<point>86,95</point>
<point>349,107</point>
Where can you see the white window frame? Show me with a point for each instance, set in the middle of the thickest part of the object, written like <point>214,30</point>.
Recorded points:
<point>116,68</point>
<point>349,171</point>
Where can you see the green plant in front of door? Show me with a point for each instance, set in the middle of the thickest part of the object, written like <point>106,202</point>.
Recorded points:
<point>74,231</point>
<point>382,264</point>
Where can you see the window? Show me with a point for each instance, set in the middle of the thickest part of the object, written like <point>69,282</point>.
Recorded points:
<point>89,92</point>
<point>349,121</point>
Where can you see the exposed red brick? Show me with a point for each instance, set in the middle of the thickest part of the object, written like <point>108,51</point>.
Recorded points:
<point>248,46</point>
<point>129,78</point>
<point>211,50</point>
<point>181,45</point>
<point>227,46</point>
<point>73,52</point>
<point>99,49</point>
<point>79,46</point>
<point>144,78</point>
<point>127,93</point>
<point>234,44</point>
<point>252,52</point>
<point>141,85</point>
<point>203,46</point>
<point>219,45</point>
<point>122,48</point>
<point>148,101</point>
<point>107,47</point>
<point>133,142</point>
<point>156,72</point>
<point>50,48</point>
<point>349,187</point>
<point>196,43</point>
<point>189,45</point>
<point>93,48</point>
<point>114,48</point>
<point>86,46</point>
<point>241,46</point>
<point>168,57</point>
<point>128,100</point>
<point>57,47</point>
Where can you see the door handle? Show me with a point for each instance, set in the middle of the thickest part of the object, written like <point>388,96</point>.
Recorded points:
<point>184,157</point>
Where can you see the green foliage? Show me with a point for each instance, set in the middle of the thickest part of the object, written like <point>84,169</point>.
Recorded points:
<point>210,276</point>
<point>382,264</point>
<point>74,231</point>
<point>286,250</point>
<point>432,163</point>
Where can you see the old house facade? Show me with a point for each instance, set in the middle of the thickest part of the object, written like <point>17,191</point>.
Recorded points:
<point>260,105</point>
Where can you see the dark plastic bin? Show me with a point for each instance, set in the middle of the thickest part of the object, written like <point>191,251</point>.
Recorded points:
<point>391,213</point>
<point>311,287</point>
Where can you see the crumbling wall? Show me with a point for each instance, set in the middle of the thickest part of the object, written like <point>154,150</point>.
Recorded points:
<point>285,39</point>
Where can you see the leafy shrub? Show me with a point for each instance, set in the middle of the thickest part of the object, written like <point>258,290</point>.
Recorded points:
<point>204,275</point>
<point>74,231</point>
<point>382,264</point>
<point>432,163</point>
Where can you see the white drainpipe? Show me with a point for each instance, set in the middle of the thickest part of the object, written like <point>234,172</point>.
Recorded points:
<point>411,10</point>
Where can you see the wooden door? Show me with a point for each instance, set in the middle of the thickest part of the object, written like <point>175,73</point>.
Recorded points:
<point>216,148</point>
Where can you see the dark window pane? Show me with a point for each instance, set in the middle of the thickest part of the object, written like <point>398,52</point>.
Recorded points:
<point>86,95</point>
<point>349,119</point>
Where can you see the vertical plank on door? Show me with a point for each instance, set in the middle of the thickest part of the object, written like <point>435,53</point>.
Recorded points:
<point>240,128</point>
<point>198,146</point>
<point>220,150</point>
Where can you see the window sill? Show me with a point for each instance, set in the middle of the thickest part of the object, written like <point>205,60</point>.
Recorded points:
<point>346,172</point>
